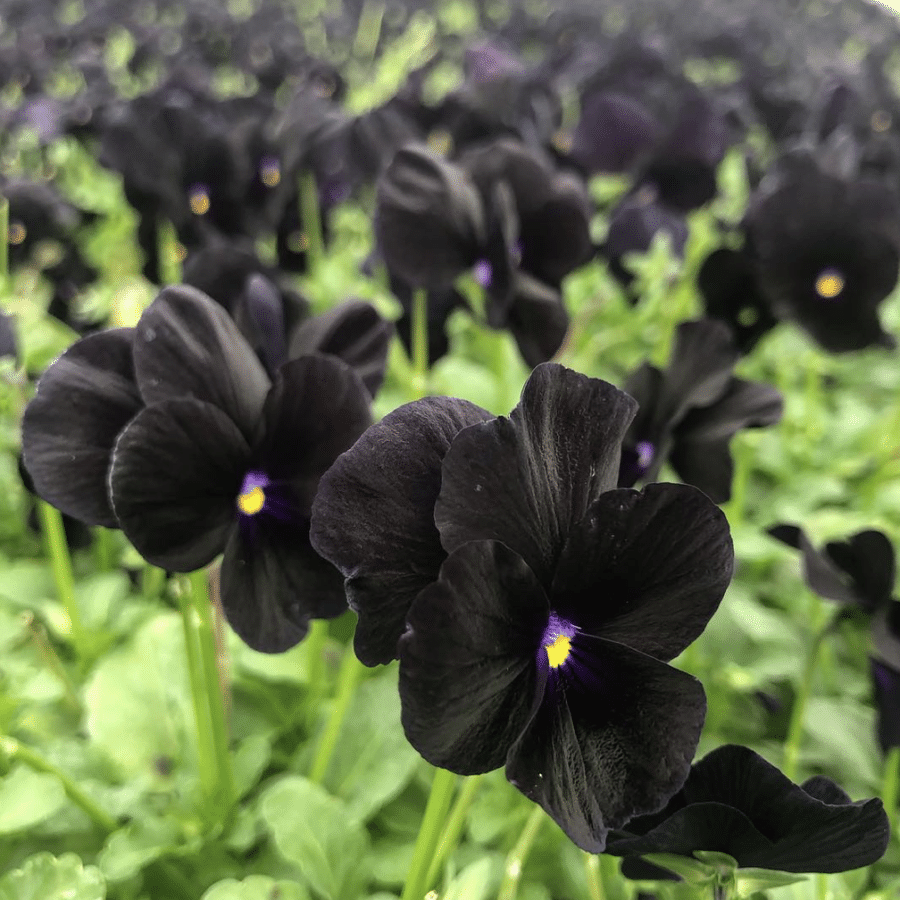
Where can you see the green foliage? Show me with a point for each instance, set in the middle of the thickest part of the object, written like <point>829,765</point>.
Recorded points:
<point>46,877</point>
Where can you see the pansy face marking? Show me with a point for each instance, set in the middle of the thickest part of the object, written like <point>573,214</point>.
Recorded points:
<point>557,640</point>
<point>829,284</point>
<point>198,199</point>
<point>252,497</point>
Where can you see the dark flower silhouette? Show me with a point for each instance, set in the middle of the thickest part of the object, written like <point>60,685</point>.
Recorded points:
<point>517,585</point>
<point>173,432</point>
<point>689,412</point>
<point>735,802</point>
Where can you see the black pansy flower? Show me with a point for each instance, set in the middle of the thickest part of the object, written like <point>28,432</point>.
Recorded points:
<point>856,572</point>
<point>826,254</point>
<point>533,606</point>
<point>689,413</point>
<point>735,802</point>
<point>173,432</point>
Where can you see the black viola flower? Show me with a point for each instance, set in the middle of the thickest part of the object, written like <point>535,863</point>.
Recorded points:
<point>533,606</point>
<point>689,413</point>
<point>856,572</point>
<point>735,802</point>
<point>174,433</point>
<point>826,254</point>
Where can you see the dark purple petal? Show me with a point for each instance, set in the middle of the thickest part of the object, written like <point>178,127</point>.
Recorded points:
<point>706,464</point>
<point>273,583</point>
<point>612,132</point>
<point>352,331</point>
<point>468,671</point>
<point>820,573</point>
<point>537,319</point>
<point>176,472</point>
<point>613,738</point>
<point>886,687</point>
<point>527,480</point>
<point>868,558</point>
<point>373,516</point>
<point>83,401</point>
<point>646,569</point>
<point>743,404</point>
<point>186,345</point>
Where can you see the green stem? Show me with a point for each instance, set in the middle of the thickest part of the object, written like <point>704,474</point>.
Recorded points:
<point>594,878</point>
<point>365,43</point>
<point>311,222</point>
<point>205,749</point>
<point>4,237</point>
<point>206,640</point>
<point>429,834</point>
<point>891,783</point>
<point>104,549</point>
<point>348,678</point>
<point>61,564</point>
<point>169,263</point>
<point>455,824</point>
<point>153,580</point>
<point>795,726</point>
<point>34,760</point>
<point>419,331</point>
<point>515,862</point>
<point>315,667</point>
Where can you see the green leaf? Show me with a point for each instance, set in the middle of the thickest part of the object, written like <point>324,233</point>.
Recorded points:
<point>474,882</point>
<point>749,881</point>
<point>690,870</point>
<point>250,761</point>
<point>28,798</point>
<point>46,877</point>
<point>255,887</point>
<point>137,712</point>
<point>372,760</point>
<point>315,832</point>
<point>138,844</point>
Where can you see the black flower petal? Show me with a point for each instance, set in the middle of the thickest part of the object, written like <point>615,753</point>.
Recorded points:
<point>612,738</point>
<point>528,479</point>
<point>631,571</point>
<point>538,319</point>
<point>83,402</point>
<point>186,345</point>
<point>175,476</point>
<point>468,678</point>
<point>737,803</point>
<point>373,516</point>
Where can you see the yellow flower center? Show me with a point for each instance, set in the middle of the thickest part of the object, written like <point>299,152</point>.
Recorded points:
<point>829,284</point>
<point>199,201</point>
<point>270,174</point>
<point>252,501</point>
<point>16,233</point>
<point>558,651</point>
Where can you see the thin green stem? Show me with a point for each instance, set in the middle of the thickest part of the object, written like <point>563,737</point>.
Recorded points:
<point>314,646</point>
<point>348,678</point>
<point>215,697</point>
<point>153,580</point>
<point>365,43</point>
<point>515,862</point>
<point>455,823</point>
<point>419,330</point>
<point>4,237</point>
<point>795,726</point>
<point>34,760</point>
<point>311,222</point>
<point>205,750</point>
<point>169,262</point>
<point>103,548</point>
<point>61,565</point>
<point>430,831</point>
<point>594,878</point>
<point>890,785</point>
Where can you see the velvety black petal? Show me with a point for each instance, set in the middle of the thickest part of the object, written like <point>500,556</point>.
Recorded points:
<point>820,573</point>
<point>186,345</point>
<point>273,583</point>
<point>429,219</point>
<point>373,516</point>
<point>538,319</point>
<point>316,409</point>
<point>468,660</point>
<point>886,687</point>
<point>612,132</point>
<point>613,738</point>
<point>176,472</point>
<point>868,558</point>
<point>527,480</point>
<point>802,832</point>
<point>646,569</point>
<point>263,311</point>
<point>83,401</point>
<point>706,464</point>
<point>743,404</point>
<point>352,331</point>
